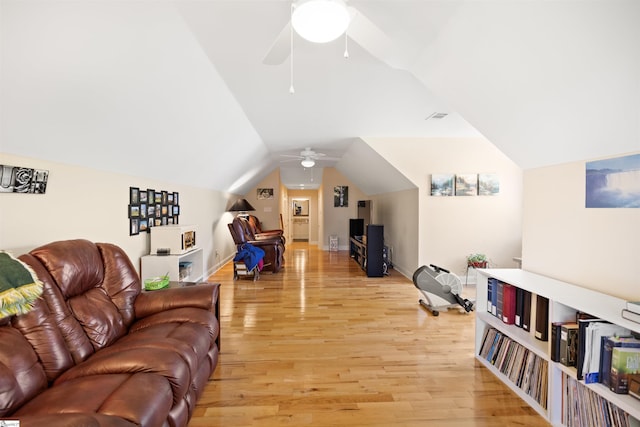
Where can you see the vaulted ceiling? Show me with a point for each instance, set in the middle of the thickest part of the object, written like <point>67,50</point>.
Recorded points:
<point>109,83</point>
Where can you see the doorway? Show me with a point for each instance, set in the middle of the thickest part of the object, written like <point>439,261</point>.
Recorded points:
<point>300,220</point>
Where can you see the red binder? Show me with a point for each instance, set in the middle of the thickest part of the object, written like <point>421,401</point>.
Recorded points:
<point>508,304</point>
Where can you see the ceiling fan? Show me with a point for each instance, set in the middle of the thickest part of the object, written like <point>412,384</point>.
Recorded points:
<point>308,157</point>
<point>398,52</point>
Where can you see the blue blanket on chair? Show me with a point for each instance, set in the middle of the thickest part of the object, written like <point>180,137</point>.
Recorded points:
<point>250,254</point>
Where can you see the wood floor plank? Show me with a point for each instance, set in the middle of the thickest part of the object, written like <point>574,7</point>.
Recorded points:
<point>321,344</point>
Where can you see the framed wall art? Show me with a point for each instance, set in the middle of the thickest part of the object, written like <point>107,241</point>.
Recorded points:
<point>17,179</point>
<point>442,184</point>
<point>467,184</point>
<point>340,196</point>
<point>151,208</point>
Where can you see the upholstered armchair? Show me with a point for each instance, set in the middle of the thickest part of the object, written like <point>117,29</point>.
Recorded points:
<point>254,230</point>
<point>273,248</point>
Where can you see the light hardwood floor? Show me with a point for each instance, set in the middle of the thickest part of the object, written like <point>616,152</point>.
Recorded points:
<point>320,344</point>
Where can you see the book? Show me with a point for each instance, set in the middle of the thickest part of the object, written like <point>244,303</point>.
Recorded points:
<point>625,361</point>
<point>526,310</point>
<point>634,386</point>
<point>542,318</point>
<point>630,315</point>
<point>508,304</point>
<point>605,364</point>
<point>555,340</point>
<point>568,343</point>
<point>490,287</point>
<point>633,306</point>
<point>593,341</point>
<point>583,320</point>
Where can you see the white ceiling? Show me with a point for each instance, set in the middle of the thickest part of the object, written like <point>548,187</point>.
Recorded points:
<point>545,81</point>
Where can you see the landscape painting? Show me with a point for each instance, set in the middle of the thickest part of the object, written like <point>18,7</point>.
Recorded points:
<point>613,183</point>
<point>467,184</point>
<point>442,184</point>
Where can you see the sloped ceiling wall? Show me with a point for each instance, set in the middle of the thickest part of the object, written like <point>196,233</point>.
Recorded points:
<point>548,82</point>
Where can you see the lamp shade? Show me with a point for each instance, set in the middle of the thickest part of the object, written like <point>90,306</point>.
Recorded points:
<point>241,205</point>
<point>307,162</point>
<point>320,21</point>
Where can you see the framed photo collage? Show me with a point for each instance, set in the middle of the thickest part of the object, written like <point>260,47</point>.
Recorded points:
<point>151,208</point>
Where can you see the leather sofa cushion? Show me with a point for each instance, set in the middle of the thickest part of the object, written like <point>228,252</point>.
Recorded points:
<point>74,420</point>
<point>141,398</point>
<point>21,375</point>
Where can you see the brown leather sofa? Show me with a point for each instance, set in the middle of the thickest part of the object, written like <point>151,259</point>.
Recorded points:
<point>96,350</point>
<point>273,245</point>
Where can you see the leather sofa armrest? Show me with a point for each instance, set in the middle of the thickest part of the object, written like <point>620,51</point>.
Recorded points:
<point>202,295</point>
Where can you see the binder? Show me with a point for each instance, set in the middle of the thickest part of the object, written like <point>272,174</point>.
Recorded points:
<point>555,340</point>
<point>526,311</point>
<point>499,300</point>
<point>519,307</point>
<point>494,298</point>
<point>490,289</point>
<point>583,321</point>
<point>508,304</point>
<point>542,318</point>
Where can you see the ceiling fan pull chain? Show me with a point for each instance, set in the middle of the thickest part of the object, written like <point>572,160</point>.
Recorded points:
<point>291,89</point>
<point>346,46</point>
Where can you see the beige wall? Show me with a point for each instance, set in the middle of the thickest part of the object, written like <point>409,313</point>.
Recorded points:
<point>336,220</point>
<point>450,228</point>
<point>594,248</point>
<point>92,204</point>
<point>398,212</point>
<point>267,210</point>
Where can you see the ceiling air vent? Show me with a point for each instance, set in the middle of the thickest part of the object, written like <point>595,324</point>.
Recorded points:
<point>437,116</point>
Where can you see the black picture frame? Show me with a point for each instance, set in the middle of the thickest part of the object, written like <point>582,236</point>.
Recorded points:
<point>143,208</point>
<point>151,196</point>
<point>134,226</point>
<point>143,225</point>
<point>175,198</point>
<point>134,211</point>
<point>134,195</point>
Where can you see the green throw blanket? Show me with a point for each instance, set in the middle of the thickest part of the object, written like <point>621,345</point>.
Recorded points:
<point>19,286</point>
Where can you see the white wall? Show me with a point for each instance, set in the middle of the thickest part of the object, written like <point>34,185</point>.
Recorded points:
<point>450,228</point>
<point>91,204</point>
<point>267,210</point>
<point>594,248</point>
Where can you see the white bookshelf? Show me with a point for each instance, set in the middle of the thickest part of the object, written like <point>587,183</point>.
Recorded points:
<point>159,265</point>
<point>565,300</point>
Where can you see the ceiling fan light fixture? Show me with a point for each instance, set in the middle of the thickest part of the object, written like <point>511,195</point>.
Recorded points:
<point>320,21</point>
<point>307,162</point>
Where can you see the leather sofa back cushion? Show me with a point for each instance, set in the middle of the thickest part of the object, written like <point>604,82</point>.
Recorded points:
<point>21,376</point>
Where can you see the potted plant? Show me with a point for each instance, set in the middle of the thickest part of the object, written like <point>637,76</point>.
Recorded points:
<point>477,260</point>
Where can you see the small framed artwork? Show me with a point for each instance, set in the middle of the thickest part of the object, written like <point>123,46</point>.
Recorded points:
<point>176,210</point>
<point>144,225</point>
<point>134,226</point>
<point>169,198</point>
<point>143,197</point>
<point>134,195</point>
<point>488,184</point>
<point>151,196</point>
<point>158,197</point>
<point>134,211</point>
<point>467,184</point>
<point>164,197</point>
<point>340,196</point>
<point>143,208</point>
<point>18,179</point>
<point>442,184</point>
<point>163,221</point>
<point>175,198</point>
<point>151,211</point>
<point>157,222</point>
<point>265,193</point>
<point>158,210</point>
<point>165,210</point>
<point>175,219</point>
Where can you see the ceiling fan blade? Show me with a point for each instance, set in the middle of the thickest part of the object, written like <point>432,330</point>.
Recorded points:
<point>398,54</point>
<point>280,49</point>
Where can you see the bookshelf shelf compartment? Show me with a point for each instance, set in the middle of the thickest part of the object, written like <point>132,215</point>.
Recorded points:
<point>564,300</point>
